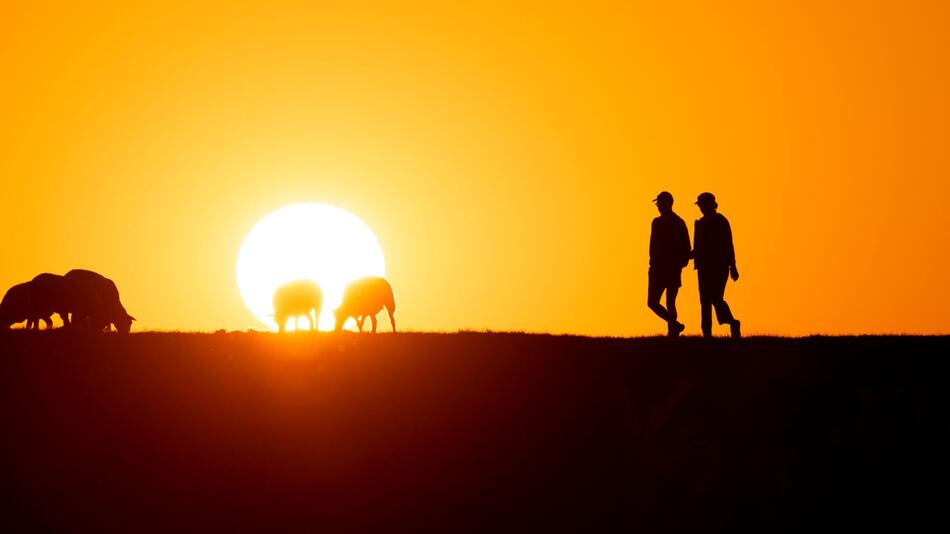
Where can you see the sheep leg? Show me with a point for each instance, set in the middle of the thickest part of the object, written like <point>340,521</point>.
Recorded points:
<point>392,319</point>
<point>373,317</point>
<point>360,319</point>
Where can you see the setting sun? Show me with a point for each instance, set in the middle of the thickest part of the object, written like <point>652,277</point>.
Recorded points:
<point>311,241</point>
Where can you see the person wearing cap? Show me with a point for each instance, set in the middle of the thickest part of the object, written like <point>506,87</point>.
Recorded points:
<point>669,253</point>
<point>714,258</point>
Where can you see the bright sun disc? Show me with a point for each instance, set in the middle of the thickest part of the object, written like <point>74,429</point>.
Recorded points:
<point>311,241</point>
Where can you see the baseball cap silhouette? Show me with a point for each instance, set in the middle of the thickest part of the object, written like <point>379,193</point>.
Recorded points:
<point>706,199</point>
<point>664,195</point>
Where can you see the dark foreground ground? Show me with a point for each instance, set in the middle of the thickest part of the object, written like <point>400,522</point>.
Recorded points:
<point>471,431</point>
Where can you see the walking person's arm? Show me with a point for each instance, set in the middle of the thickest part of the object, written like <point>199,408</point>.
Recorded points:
<point>685,248</point>
<point>697,245</point>
<point>653,241</point>
<point>731,252</point>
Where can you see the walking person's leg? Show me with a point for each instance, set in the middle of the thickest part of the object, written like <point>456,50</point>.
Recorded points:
<point>674,327</point>
<point>723,313</point>
<point>705,303</point>
<point>655,290</point>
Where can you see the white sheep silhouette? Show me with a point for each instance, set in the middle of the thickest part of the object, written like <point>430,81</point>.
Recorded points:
<point>364,298</point>
<point>300,298</point>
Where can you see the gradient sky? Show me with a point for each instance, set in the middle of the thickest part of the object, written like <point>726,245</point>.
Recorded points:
<point>505,155</point>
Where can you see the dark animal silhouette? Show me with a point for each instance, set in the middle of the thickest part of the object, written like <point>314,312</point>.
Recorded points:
<point>17,306</point>
<point>669,253</point>
<point>714,259</point>
<point>300,298</point>
<point>365,298</point>
<point>109,297</point>
<point>51,293</point>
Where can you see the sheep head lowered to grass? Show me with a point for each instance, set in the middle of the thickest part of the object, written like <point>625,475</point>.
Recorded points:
<point>108,296</point>
<point>365,298</point>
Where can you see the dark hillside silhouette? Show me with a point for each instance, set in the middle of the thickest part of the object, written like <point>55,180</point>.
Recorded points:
<point>471,432</point>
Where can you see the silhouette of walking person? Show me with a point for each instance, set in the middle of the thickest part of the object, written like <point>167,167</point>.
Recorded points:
<point>669,253</point>
<point>714,259</point>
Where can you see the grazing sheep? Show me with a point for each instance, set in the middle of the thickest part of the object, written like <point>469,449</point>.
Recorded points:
<point>365,298</point>
<point>17,306</point>
<point>53,293</point>
<point>108,296</point>
<point>296,299</point>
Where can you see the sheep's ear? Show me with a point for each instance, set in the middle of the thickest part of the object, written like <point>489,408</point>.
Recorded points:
<point>131,318</point>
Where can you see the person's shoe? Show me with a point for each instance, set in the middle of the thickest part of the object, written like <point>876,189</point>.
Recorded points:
<point>676,329</point>
<point>735,329</point>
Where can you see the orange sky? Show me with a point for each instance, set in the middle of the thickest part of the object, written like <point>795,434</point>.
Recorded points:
<point>505,156</point>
